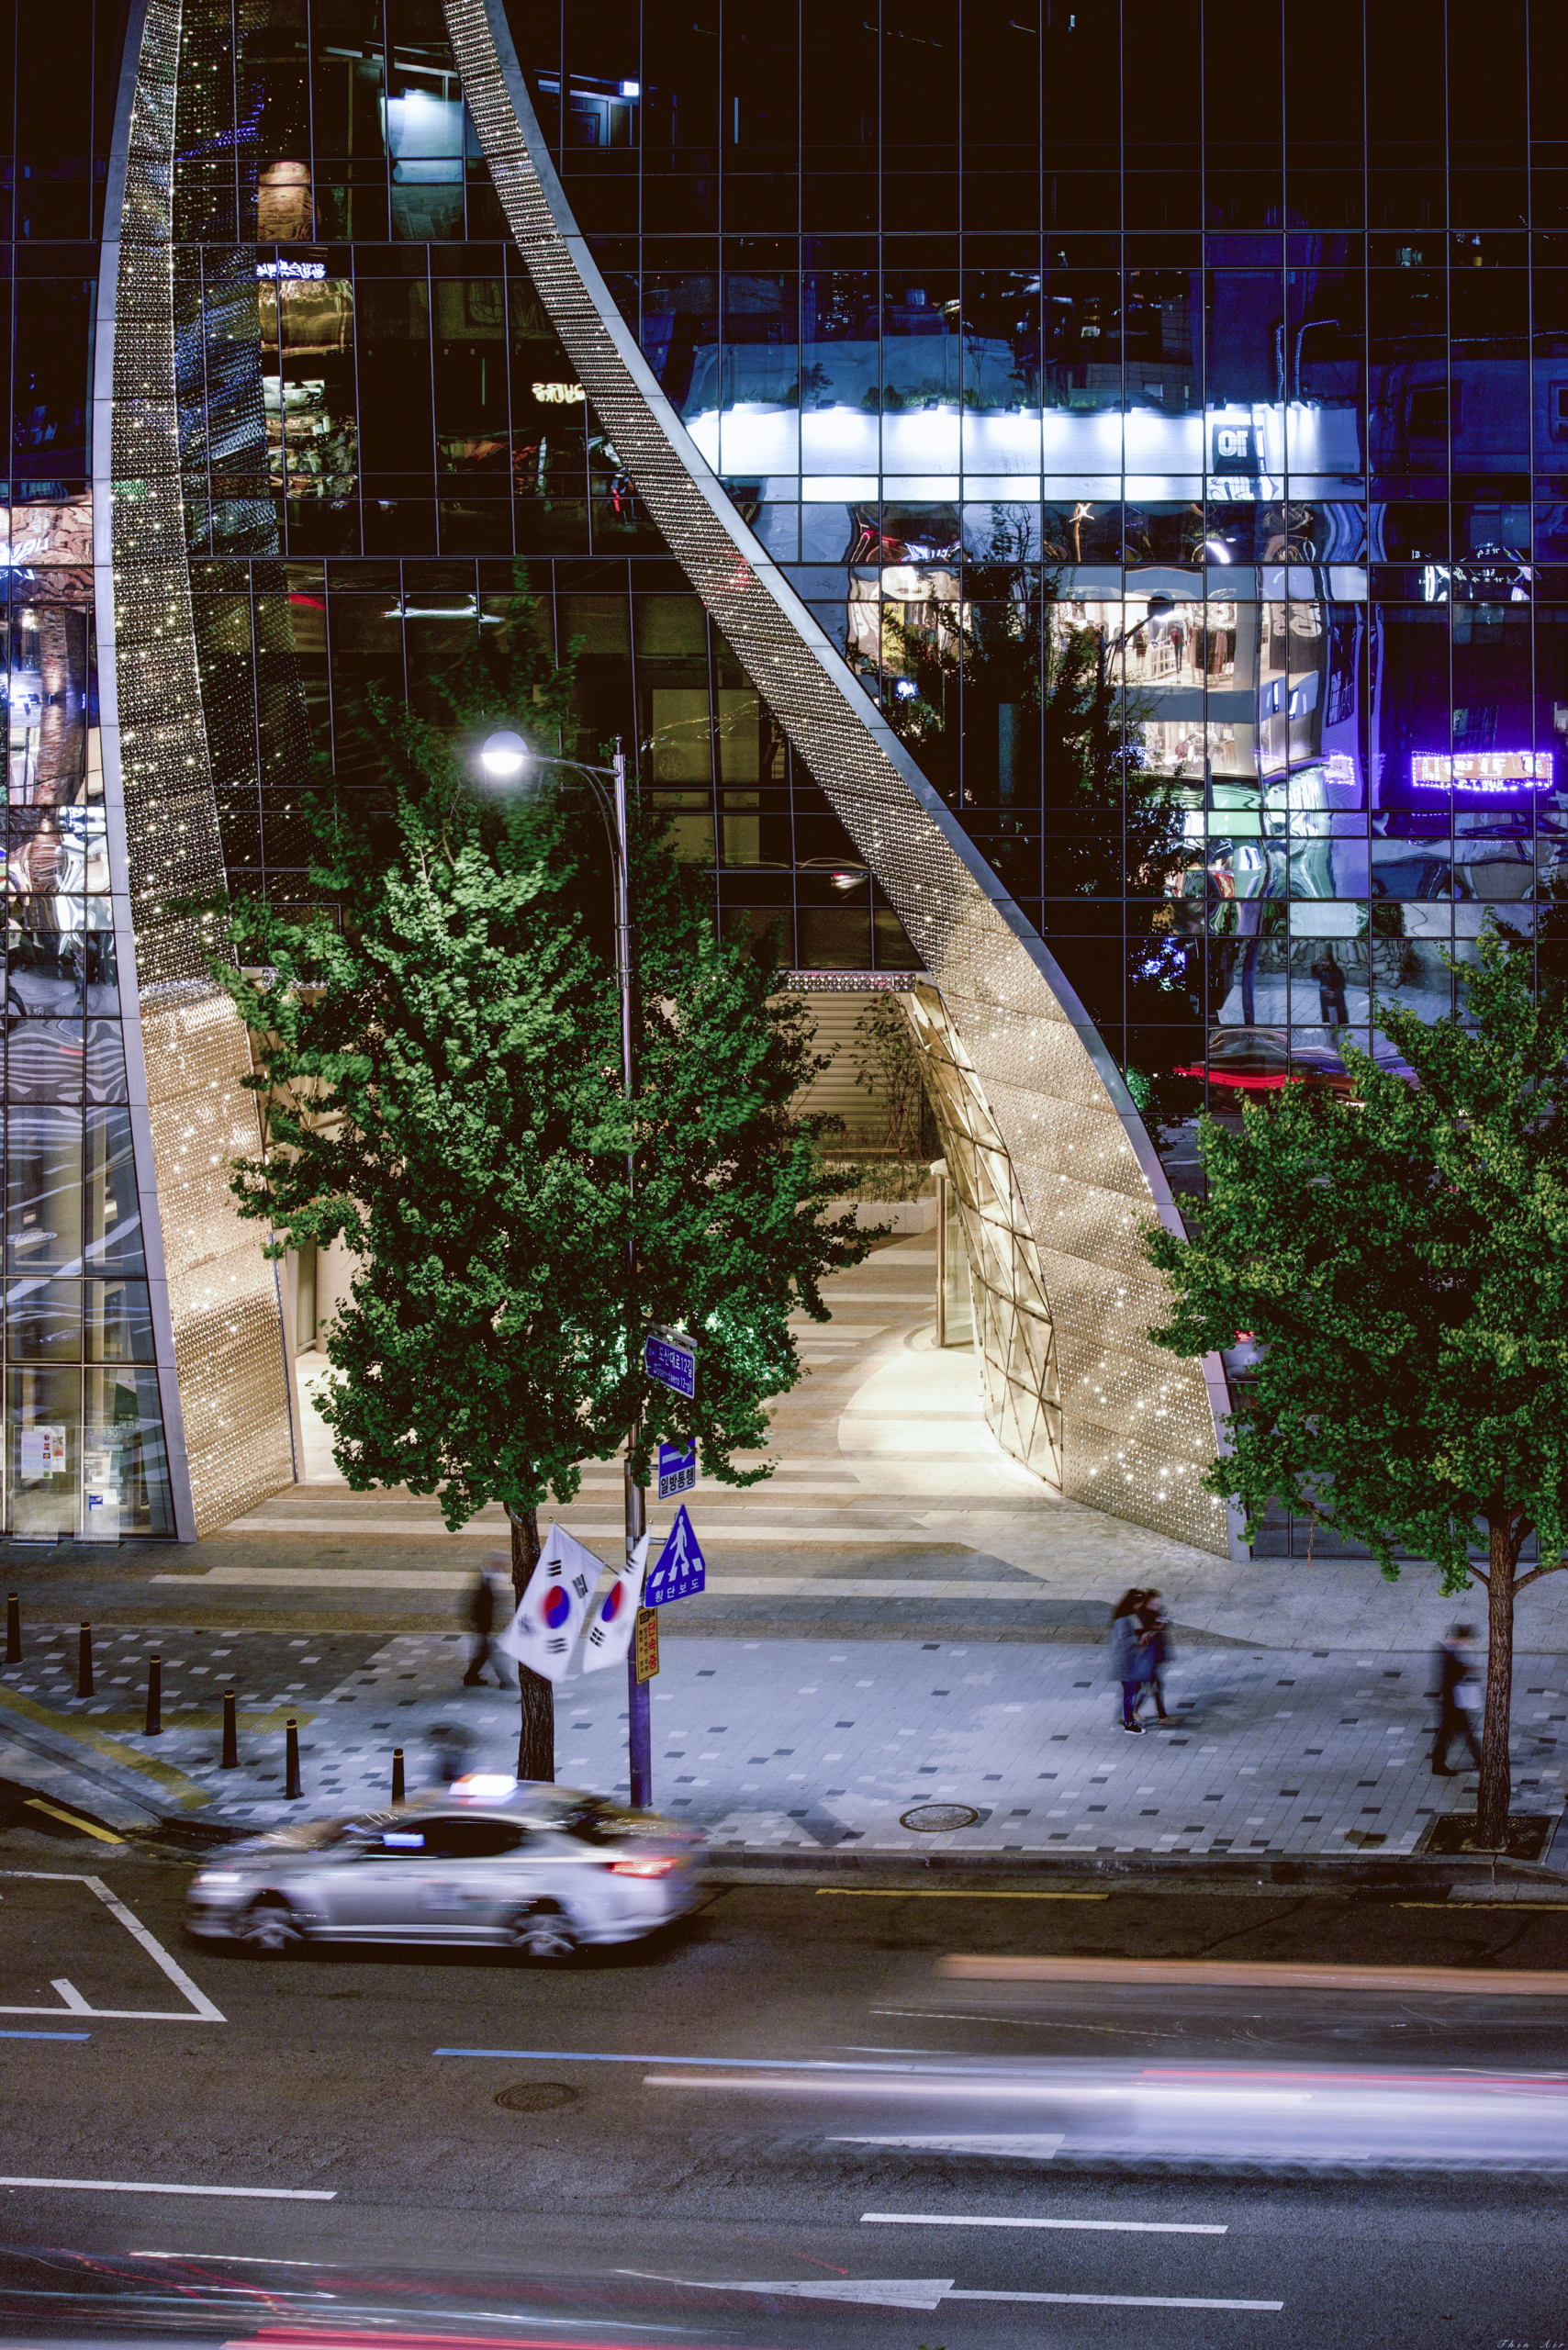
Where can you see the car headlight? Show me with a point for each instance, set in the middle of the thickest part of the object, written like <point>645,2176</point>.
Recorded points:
<point>218,1876</point>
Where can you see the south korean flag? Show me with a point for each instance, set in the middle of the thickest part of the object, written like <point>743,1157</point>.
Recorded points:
<point>608,1635</point>
<point>550,1614</point>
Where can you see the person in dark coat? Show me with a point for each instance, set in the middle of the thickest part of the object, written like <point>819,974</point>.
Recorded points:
<point>1459,1699</point>
<point>1130,1659</point>
<point>481,1623</point>
<point>1157,1637</point>
<point>1330,991</point>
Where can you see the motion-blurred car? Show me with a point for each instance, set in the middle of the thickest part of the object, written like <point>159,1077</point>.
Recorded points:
<point>529,1867</point>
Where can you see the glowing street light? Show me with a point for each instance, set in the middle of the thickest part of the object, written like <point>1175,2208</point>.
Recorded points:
<point>504,755</point>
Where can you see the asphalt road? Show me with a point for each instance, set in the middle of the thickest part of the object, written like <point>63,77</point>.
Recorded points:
<point>1254,2148</point>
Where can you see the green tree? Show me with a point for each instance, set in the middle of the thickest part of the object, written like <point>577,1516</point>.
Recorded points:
<point>1401,1260</point>
<point>886,1062</point>
<point>442,1084</point>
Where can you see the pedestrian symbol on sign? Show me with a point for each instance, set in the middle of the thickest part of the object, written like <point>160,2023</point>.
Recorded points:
<point>679,1570</point>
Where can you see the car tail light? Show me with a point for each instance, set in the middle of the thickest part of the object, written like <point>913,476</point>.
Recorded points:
<point>651,1867</point>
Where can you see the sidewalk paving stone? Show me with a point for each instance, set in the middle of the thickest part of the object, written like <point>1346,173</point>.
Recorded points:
<point>783,1744</point>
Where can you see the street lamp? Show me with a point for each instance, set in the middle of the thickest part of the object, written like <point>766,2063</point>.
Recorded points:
<point>506,758</point>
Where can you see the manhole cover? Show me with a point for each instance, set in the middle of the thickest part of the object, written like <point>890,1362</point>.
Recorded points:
<point>936,1818</point>
<point>536,2096</point>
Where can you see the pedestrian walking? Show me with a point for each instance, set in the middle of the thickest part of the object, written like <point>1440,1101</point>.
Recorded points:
<point>1157,1633</point>
<point>1330,980</point>
<point>1130,1660</point>
<point>1459,1698</point>
<point>482,1623</point>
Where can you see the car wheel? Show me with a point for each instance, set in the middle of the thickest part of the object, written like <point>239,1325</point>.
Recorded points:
<point>541,1933</point>
<point>268,1929</point>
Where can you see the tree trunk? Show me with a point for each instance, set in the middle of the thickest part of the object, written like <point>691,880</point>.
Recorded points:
<point>536,1730</point>
<point>1496,1779</point>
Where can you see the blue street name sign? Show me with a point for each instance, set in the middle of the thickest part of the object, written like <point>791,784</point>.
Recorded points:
<point>672,1361</point>
<point>677,1469</point>
<point>679,1570</point>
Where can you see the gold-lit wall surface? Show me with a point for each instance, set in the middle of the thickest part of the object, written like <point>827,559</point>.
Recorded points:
<point>223,1293</point>
<point>1137,1426</point>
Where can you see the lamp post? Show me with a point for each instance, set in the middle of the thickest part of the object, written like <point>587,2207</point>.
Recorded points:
<point>504,757</point>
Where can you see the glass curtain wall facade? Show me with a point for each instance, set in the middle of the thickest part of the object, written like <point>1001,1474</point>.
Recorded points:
<point>1157,414</point>
<point>1167,414</point>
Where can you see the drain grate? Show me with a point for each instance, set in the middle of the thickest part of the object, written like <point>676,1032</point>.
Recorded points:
<point>937,1818</point>
<point>536,2096</point>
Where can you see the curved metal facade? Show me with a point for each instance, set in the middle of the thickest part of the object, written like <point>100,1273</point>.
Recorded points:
<point>217,1305</point>
<point>1011,1043</point>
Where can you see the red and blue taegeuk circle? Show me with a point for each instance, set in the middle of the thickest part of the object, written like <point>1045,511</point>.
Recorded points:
<point>557,1607</point>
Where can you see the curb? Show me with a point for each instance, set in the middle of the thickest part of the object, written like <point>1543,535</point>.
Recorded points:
<point>1316,1872</point>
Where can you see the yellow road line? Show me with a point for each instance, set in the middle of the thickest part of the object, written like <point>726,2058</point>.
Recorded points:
<point>88,1826</point>
<point>1231,1974</point>
<point>185,1791</point>
<point>939,1892</point>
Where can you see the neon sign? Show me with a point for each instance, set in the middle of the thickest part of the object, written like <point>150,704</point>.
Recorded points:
<point>1489,771</point>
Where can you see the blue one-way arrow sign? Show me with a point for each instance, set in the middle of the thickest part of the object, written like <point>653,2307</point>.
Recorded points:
<point>679,1570</point>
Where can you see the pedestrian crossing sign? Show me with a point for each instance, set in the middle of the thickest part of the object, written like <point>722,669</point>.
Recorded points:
<point>679,1570</point>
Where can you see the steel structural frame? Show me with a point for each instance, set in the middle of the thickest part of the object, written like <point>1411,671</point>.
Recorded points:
<point>1013,1057</point>
<point>224,1370</point>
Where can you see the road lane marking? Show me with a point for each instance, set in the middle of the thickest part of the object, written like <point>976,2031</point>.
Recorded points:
<point>942,1893</point>
<point>1117,2301</point>
<point>202,2010</point>
<point>1037,2146</point>
<point>87,1826</point>
<point>166,2186</point>
<point>932,2292</point>
<point>727,2064</point>
<point>1231,1974</point>
<point>878,2292</point>
<point>1116,2227</point>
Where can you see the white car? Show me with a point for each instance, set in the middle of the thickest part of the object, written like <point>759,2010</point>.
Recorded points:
<point>525,1866</point>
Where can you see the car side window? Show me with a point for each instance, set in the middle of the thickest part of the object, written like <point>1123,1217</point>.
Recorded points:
<point>471,1840</point>
<point>395,1844</point>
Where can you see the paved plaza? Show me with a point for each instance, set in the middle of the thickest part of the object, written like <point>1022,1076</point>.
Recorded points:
<point>807,1745</point>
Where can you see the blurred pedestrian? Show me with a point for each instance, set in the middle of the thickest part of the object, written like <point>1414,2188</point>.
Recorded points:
<point>1459,1698</point>
<point>1130,1661</point>
<point>1157,1633</point>
<point>482,1603</point>
<point>1330,991</point>
<point>449,1753</point>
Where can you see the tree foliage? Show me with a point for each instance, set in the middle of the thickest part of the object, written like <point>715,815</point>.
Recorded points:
<point>1401,1264</point>
<point>441,1082</point>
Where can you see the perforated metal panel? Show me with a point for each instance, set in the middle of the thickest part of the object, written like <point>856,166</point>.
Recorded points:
<point>1036,1113</point>
<point>227,1334</point>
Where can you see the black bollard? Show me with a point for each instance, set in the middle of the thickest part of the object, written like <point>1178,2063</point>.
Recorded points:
<point>230,1733</point>
<point>291,1778</point>
<point>154,1698</point>
<point>84,1664</point>
<point>399,1782</point>
<point>13,1629</point>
